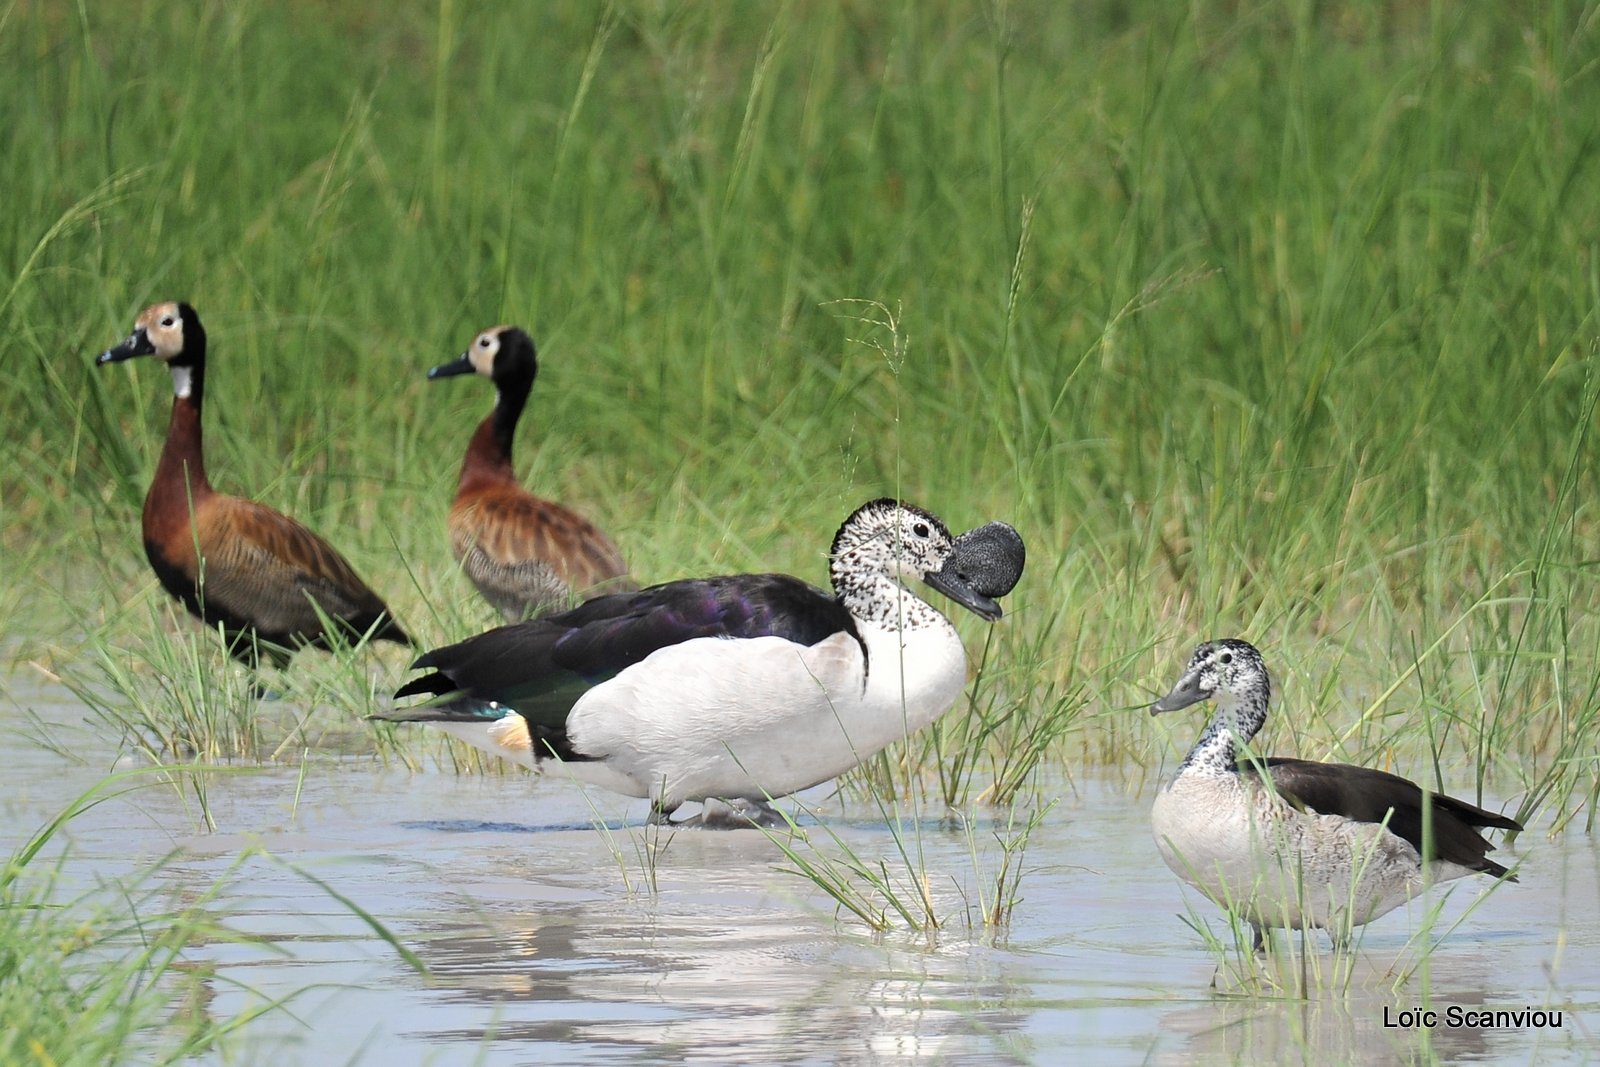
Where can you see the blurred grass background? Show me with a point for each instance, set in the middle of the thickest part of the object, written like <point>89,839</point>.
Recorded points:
<point>1265,319</point>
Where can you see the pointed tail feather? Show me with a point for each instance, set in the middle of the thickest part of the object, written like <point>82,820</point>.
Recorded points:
<point>1473,815</point>
<point>433,685</point>
<point>1490,867</point>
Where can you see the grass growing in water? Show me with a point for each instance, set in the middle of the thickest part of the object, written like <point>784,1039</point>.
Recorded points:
<point>908,891</point>
<point>107,975</point>
<point>1276,322</point>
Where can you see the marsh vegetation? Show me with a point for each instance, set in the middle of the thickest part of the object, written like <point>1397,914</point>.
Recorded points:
<point>1275,321</point>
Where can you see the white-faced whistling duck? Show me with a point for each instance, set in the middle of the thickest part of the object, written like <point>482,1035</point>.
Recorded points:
<point>526,555</point>
<point>268,580</point>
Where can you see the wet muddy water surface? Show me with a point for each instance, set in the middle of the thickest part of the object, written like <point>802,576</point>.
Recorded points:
<point>550,938</point>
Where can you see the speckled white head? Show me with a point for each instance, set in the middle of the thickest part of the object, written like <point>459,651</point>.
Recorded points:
<point>900,540</point>
<point>1229,667</point>
<point>905,544</point>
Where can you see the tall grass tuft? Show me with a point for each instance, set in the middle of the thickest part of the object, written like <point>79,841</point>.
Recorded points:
<point>1277,321</point>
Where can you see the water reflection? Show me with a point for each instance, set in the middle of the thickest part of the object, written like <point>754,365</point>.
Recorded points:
<point>1336,1029</point>
<point>1547,926</point>
<point>710,967</point>
<point>533,906</point>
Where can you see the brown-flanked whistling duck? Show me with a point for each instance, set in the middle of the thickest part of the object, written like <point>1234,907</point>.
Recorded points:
<point>267,580</point>
<point>526,555</point>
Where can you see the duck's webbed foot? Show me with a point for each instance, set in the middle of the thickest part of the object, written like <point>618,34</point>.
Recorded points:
<point>734,813</point>
<point>1258,940</point>
<point>661,816</point>
<point>744,811</point>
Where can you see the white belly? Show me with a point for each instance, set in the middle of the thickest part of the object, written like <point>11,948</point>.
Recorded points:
<point>1258,857</point>
<point>764,717</point>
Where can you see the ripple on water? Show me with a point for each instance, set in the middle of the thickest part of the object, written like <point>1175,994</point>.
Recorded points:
<point>546,942</point>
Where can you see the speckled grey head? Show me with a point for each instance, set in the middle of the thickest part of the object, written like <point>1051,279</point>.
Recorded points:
<point>988,559</point>
<point>1229,666</point>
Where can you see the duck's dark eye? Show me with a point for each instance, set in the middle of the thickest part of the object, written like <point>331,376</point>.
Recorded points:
<point>920,529</point>
<point>483,342</point>
<point>168,321</point>
<point>1226,657</point>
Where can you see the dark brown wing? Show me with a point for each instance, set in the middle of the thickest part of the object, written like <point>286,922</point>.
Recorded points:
<point>264,568</point>
<point>513,544</point>
<point>1368,795</point>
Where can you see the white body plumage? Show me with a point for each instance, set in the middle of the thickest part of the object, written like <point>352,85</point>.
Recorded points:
<point>795,689</point>
<point>1253,853</point>
<point>1294,843</point>
<point>749,718</point>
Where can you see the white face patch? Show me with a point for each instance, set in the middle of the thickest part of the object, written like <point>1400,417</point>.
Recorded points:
<point>484,348</point>
<point>163,325</point>
<point>182,381</point>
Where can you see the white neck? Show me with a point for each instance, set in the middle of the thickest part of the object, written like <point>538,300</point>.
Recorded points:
<point>886,604</point>
<point>182,381</point>
<point>1237,720</point>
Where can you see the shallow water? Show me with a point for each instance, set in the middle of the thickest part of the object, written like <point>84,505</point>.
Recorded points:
<point>546,943</point>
